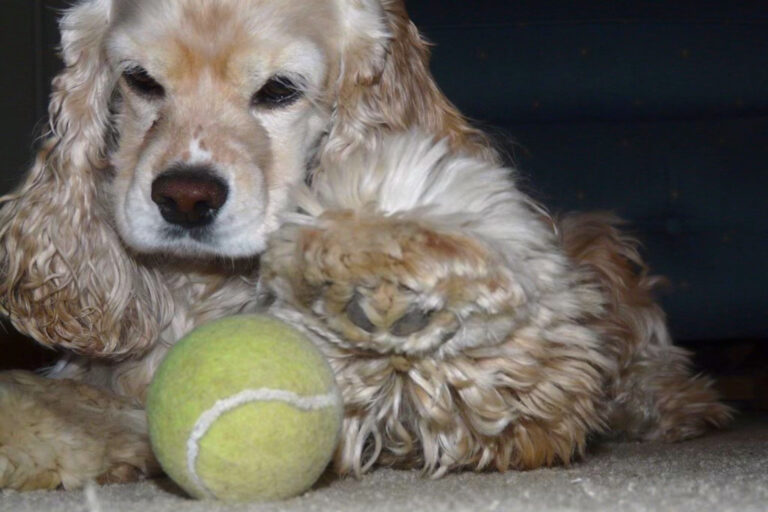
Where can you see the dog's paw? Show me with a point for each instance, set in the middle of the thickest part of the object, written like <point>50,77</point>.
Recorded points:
<point>61,433</point>
<point>446,353</point>
<point>389,285</point>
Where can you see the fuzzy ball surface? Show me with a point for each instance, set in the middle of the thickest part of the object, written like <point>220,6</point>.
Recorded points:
<point>244,408</point>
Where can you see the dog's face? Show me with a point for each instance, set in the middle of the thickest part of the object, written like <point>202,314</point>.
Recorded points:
<point>221,104</point>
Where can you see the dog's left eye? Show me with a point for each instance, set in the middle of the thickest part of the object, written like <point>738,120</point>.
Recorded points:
<point>142,83</point>
<point>277,92</point>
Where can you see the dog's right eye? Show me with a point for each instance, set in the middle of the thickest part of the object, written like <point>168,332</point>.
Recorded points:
<point>279,91</point>
<point>142,83</point>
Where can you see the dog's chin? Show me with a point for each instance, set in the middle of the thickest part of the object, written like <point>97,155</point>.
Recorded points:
<point>199,243</point>
<point>226,237</point>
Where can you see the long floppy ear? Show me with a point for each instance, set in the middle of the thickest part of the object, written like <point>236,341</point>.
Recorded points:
<point>65,278</point>
<point>385,83</point>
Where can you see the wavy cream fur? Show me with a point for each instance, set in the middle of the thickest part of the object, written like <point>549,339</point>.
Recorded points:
<point>517,364</point>
<point>87,264</point>
<point>522,363</point>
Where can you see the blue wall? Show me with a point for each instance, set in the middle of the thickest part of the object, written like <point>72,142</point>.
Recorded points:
<point>655,110</point>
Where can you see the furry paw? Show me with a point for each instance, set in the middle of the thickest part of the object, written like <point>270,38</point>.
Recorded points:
<point>443,358</point>
<point>62,433</point>
<point>386,285</point>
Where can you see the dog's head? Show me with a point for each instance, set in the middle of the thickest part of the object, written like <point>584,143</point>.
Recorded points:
<point>221,106</point>
<point>178,128</point>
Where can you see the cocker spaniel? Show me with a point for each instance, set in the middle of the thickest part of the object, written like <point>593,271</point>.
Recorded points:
<point>467,328</point>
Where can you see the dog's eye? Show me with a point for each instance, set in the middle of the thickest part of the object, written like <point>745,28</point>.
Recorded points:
<point>277,92</point>
<point>142,83</point>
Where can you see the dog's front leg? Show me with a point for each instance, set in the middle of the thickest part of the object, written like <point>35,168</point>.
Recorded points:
<point>446,357</point>
<point>58,432</point>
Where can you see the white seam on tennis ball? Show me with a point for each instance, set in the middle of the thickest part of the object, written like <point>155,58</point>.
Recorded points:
<point>209,417</point>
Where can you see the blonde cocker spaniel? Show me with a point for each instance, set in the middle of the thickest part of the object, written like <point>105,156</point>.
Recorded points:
<point>467,328</point>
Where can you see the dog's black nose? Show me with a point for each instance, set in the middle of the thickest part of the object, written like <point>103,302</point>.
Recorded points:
<point>189,196</point>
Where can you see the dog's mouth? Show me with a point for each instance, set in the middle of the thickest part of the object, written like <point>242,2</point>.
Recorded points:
<point>203,235</point>
<point>240,238</point>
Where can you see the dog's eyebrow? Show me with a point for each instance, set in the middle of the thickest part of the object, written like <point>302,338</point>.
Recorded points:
<point>297,79</point>
<point>302,60</point>
<point>127,64</point>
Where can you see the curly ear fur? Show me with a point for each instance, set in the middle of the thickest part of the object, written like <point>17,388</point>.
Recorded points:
<point>65,278</point>
<point>385,84</point>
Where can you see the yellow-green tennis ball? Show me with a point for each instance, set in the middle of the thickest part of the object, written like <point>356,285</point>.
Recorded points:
<point>244,408</point>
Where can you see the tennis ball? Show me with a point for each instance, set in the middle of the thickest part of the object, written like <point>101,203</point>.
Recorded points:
<point>244,408</point>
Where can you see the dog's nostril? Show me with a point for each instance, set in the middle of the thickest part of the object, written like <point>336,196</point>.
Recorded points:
<point>189,196</point>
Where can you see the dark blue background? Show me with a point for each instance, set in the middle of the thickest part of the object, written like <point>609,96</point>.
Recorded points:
<point>655,110</point>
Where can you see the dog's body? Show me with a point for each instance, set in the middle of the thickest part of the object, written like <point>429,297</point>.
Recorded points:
<point>465,327</point>
<point>179,128</point>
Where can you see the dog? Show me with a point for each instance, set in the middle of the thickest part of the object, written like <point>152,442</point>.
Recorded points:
<point>179,128</point>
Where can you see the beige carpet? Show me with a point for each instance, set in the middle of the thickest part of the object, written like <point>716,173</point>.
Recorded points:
<point>723,471</point>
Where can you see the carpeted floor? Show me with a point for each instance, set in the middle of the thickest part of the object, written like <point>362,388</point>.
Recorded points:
<point>723,471</point>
